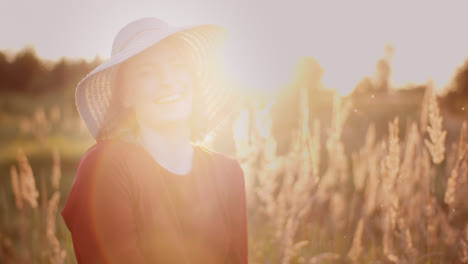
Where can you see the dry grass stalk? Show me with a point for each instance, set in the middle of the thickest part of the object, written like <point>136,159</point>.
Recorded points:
<point>392,169</point>
<point>390,175</point>
<point>392,161</point>
<point>341,112</point>
<point>7,251</point>
<point>463,251</point>
<point>266,165</point>
<point>407,239</point>
<point>293,250</point>
<point>56,172</point>
<point>449,233</point>
<point>360,160</point>
<point>373,194</point>
<point>433,221</point>
<point>326,257</point>
<point>408,165</point>
<point>427,174</point>
<point>58,255</point>
<point>410,249</point>
<point>451,158</point>
<point>289,249</point>
<point>315,148</point>
<point>411,179</point>
<point>267,189</point>
<point>393,211</point>
<point>387,242</point>
<point>357,248</point>
<point>337,171</point>
<point>28,188</point>
<point>359,171</point>
<point>452,198</point>
<point>16,186</point>
<point>463,244</point>
<point>425,109</point>
<point>437,134</point>
<point>338,163</point>
<point>462,142</point>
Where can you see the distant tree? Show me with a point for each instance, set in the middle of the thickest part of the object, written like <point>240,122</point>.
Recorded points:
<point>24,69</point>
<point>380,80</point>
<point>309,74</point>
<point>4,65</point>
<point>58,75</point>
<point>364,86</point>
<point>27,73</point>
<point>382,75</point>
<point>456,97</point>
<point>460,83</point>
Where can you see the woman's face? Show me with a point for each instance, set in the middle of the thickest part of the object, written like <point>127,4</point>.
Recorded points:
<point>158,84</point>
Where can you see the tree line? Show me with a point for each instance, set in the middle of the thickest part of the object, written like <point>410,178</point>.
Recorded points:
<point>26,73</point>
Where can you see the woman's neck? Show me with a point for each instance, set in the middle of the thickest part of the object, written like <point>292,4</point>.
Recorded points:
<point>171,148</point>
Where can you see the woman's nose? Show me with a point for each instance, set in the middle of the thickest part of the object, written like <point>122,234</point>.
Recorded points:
<point>170,80</point>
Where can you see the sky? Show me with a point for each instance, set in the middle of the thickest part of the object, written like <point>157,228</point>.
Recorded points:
<point>346,37</point>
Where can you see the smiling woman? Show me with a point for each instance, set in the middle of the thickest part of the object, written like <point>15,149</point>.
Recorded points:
<point>148,191</point>
<point>175,66</point>
<point>158,85</point>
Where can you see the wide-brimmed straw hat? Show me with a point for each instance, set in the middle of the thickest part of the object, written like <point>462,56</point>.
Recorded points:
<point>94,93</point>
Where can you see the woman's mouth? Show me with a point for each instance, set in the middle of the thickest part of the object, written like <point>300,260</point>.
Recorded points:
<point>169,98</point>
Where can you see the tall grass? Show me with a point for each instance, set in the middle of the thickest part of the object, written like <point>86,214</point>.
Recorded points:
<point>389,202</point>
<point>28,232</point>
<point>398,199</point>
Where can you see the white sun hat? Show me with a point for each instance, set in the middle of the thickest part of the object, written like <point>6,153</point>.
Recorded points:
<point>94,92</point>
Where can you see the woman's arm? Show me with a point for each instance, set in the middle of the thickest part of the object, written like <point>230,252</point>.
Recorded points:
<point>99,212</point>
<point>238,251</point>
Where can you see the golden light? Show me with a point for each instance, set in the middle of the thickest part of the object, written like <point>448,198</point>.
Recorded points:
<point>349,43</point>
<point>264,121</point>
<point>241,126</point>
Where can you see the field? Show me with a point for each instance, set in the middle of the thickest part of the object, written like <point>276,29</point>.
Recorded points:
<point>366,179</point>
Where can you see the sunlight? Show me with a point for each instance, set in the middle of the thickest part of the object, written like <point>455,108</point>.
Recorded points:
<point>241,126</point>
<point>264,121</point>
<point>252,67</point>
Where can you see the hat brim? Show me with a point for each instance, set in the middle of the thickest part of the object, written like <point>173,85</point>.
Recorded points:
<point>93,93</point>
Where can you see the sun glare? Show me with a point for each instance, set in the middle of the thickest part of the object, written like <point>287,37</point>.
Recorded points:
<point>348,45</point>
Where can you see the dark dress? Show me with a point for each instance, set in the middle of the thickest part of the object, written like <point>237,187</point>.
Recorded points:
<point>124,207</point>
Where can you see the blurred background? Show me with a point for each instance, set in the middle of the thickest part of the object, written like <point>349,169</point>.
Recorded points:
<point>356,107</point>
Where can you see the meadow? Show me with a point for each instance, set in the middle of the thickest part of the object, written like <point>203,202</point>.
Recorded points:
<point>378,178</point>
<point>397,198</point>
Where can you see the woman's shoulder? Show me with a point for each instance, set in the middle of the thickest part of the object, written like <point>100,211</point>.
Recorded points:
<point>106,150</point>
<point>101,171</point>
<point>106,157</point>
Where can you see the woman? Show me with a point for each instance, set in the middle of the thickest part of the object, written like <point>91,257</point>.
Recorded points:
<point>146,192</point>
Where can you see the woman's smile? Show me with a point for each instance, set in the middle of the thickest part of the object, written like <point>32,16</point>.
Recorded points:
<point>170,98</point>
<point>162,94</point>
